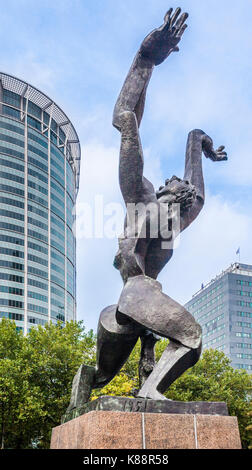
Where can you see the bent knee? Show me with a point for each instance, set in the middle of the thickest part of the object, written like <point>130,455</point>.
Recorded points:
<point>124,118</point>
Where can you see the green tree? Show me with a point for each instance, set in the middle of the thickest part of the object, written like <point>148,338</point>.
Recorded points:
<point>121,386</point>
<point>19,400</point>
<point>36,374</point>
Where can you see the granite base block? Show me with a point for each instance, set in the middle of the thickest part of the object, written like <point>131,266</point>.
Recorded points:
<point>134,430</point>
<point>131,423</point>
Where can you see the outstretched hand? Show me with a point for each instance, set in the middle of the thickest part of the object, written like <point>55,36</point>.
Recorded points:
<point>215,155</point>
<point>159,44</point>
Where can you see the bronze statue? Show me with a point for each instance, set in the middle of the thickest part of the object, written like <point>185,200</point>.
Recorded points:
<point>143,310</point>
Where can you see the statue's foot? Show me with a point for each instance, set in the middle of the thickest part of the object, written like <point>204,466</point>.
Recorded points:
<point>152,394</point>
<point>82,386</point>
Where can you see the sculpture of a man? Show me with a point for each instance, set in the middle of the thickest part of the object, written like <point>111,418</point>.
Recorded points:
<point>143,309</point>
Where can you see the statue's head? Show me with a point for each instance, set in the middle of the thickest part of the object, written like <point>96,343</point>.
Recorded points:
<point>177,190</point>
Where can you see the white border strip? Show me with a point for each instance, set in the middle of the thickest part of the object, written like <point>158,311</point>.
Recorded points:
<point>195,431</point>
<point>143,432</point>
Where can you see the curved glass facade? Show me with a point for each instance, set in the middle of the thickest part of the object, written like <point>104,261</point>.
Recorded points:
<point>39,176</point>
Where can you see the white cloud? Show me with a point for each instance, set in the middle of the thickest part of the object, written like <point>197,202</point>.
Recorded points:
<point>30,68</point>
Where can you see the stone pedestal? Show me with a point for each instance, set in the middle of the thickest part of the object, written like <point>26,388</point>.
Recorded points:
<point>177,425</point>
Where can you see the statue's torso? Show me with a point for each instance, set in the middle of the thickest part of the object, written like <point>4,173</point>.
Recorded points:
<point>141,248</point>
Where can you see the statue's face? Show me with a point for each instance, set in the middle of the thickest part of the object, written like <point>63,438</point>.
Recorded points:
<point>176,190</point>
<point>172,187</point>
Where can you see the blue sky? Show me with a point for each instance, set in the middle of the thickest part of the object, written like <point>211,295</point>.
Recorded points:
<point>79,52</point>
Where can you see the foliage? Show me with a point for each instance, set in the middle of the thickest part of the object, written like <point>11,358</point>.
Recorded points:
<point>121,385</point>
<point>19,400</point>
<point>36,374</point>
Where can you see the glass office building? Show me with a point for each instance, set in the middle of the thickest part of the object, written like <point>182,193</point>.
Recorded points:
<point>39,176</point>
<point>223,308</point>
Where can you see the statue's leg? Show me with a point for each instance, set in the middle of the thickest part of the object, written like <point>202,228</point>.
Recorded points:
<point>114,345</point>
<point>147,358</point>
<point>175,360</point>
<point>143,301</point>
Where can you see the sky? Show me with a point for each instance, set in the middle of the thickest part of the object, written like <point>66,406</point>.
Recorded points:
<point>78,52</point>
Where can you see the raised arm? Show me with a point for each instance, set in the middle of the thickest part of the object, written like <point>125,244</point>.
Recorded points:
<point>129,108</point>
<point>197,143</point>
<point>155,48</point>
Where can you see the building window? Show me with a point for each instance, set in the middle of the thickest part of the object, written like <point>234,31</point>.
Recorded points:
<point>11,127</point>
<point>243,366</point>
<point>11,277</point>
<point>37,223</point>
<point>244,335</point>
<point>36,295</point>
<point>11,140</point>
<point>38,235</point>
<point>11,264</point>
<point>242,303</point>
<point>11,112</point>
<point>11,290</point>
<point>11,164</point>
<point>242,356</point>
<point>37,259</point>
<point>11,303</point>
<point>11,151</point>
<point>37,211</point>
<point>35,283</point>
<point>212,322</point>
<point>244,324</point>
<point>11,98</point>
<point>38,152</point>
<point>37,163</point>
<point>11,252</point>
<point>244,345</point>
<point>34,123</point>
<point>38,309</point>
<point>38,175</point>
<point>38,272</point>
<point>37,187</point>
<point>38,199</point>
<point>244,314</point>
<point>244,293</point>
<point>209,333</point>
<point>36,321</point>
<point>36,247</point>
<point>11,189</point>
<point>244,283</point>
<point>11,202</point>
<point>11,177</point>
<point>38,139</point>
<point>214,341</point>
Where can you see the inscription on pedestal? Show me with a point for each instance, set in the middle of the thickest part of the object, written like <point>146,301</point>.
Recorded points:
<point>135,405</point>
<point>145,405</point>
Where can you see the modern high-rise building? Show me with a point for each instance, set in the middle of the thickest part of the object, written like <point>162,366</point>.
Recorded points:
<point>223,308</point>
<point>39,176</point>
